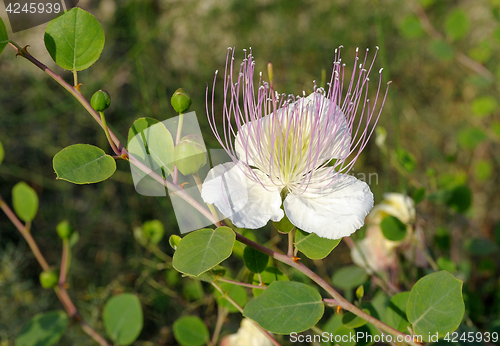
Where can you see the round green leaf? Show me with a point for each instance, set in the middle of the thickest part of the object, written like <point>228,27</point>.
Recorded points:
<point>460,198</point>
<point>456,24</point>
<point>406,159</point>
<point>481,246</point>
<point>268,276</point>
<point>153,231</point>
<point>255,260</point>
<point>395,314</point>
<point>349,277</point>
<point>419,195</point>
<point>74,40</point>
<point>483,169</point>
<point>484,105</point>
<point>445,263</point>
<point>284,225</point>
<point>122,318</point>
<point>139,126</point>
<point>24,201</point>
<point>4,37</point>
<point>411,28</point>
<point>190,331</point>
<point>435,305</point>
<point>470,137</point>
<point>392,228</point>
<point>442,50</point>
<point>237,293</point>
<point>286,307</point>
<point>83,164</point>
<point>43,329</point>
<point>151,143</point>
<point>203,249</point>
<point>313,246</point>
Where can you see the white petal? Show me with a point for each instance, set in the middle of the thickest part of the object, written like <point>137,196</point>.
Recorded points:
<point>332,122</point>
<point>377,253</point>
<point>334,212</point>
<point>245,202</point>
<point>394,204</point>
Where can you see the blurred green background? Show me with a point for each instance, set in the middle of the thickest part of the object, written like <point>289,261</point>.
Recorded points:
<point>441,118</point>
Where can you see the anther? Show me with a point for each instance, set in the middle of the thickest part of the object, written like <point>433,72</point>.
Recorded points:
<point>380,71</point>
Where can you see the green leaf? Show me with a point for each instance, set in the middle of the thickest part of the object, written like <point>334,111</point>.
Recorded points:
<point>313,246</point>
<point>83,164</point>
<point>190,331</point>
<point>203,249</point>
<point>483,169</point>
<point>460,198</point>
<point>286,307</point>
<point>43,329</point>
<point>349,277</point>
<point>2,153</point>
<point>255,260</point>
<point>406,159</point>
<point>153,231</point>
<point>237,293</point>
<point>411,28</point>
<point>481,246</point>
<point>24,201</point>
<point>74,40</point>
<point>470,137</point>
<point>4,37</point>
<point>419,195</point>
<point>456,24</point>
<point>435,305</point>
<point>482,52</point>
<point>139,126</point>
<point>392,228</point>
<point>354,321</point>
<point>284,225</point>
<point>484,105</point>
<point>122,318</point>
<point>395,314</point>
<point>445,263</point>
<point>442,50</point>
<point>151,143</point>
<point>268,276</point>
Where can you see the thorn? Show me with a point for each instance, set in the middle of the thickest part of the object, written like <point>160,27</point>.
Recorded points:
<point>182,187</point>
<point>295,259</point>
<point>77,87</point>
<point>339,308</point>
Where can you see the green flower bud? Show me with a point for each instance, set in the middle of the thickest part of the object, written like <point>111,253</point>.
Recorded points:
<point>174,240</point>
<point>48,278</point>
<point>64,229</point>
<point>180,101</point>
<point>100,101</point>
<point>190,154</point>
<point>360,292</point>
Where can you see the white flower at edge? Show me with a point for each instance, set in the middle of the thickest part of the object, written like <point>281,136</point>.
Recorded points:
<point>248,335</point>
<point>376,253</point>
<point>291,154</point>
